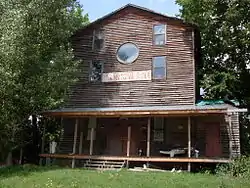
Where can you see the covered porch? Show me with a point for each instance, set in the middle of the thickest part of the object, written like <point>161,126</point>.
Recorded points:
<point>187,135</point>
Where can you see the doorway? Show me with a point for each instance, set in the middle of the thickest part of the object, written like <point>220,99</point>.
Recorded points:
<point>213,144</point>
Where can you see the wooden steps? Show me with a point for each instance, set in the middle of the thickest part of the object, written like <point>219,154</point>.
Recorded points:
<point>104,164</point>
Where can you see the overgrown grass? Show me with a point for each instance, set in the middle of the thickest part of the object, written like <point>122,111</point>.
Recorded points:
<point>41,177</point>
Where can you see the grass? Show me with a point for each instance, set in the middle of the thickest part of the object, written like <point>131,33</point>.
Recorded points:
<point>42,177</point>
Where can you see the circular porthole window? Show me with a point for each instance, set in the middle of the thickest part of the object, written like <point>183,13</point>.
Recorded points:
<point>127,53</point>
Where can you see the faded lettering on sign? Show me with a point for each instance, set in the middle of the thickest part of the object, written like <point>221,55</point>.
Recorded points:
<point>126,76</point>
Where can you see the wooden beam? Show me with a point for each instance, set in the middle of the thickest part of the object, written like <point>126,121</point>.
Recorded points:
<point>204,112</point>
<point>189,142</point>
<point>74,145</point>
<point>128,141</point>
<point>148,136</point>
<point>230,135</point>
<point>142,159</point>
<point>43,144</point>
<point>91,141</point>
<point>21,156</point>
<point>81,142</point>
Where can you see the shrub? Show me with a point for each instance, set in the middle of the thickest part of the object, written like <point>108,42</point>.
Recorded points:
<point>240,167</point>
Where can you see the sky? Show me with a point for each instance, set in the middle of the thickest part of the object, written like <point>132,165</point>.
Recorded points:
<point>99,8</point>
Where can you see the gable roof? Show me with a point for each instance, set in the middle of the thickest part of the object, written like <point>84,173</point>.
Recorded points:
<point>141,9</point>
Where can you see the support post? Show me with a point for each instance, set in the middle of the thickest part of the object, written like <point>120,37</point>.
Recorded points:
<point>91,141</point>
<point>230,135</point>
<point>42,145</point>
<point>81,141</point>
<point>189,142</point>
<point>74,145</point>
<point>20,157</point>
<point>128,141</point>
<point>148,136</point>
<point>128,145</point>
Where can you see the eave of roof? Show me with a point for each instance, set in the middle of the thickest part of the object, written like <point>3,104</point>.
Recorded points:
<point>144,111</point>
<point>139,8</point>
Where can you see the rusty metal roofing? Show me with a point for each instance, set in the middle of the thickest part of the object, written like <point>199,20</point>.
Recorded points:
<point>144,108</point>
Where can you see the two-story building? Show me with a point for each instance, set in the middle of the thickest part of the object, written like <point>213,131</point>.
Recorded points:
<point>136,98</point>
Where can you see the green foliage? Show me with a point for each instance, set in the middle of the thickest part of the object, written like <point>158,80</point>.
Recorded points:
<point>225,31</point>
<point>36,61</point>
<point>224,70</point>
<point>240,167</point>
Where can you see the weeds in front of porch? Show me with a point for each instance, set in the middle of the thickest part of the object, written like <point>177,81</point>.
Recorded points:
<point>54,177</point>
<point>240,167</point>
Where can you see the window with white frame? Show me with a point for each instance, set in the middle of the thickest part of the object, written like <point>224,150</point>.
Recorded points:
<point>98,39</point>
<point>159,66</point>
<point>159,34</point>
<point>95,73</point>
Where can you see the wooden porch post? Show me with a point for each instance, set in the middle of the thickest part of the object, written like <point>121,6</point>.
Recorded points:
<point>128,145</point>
<point>74,145</point>
<point>81,140</point>
<point>189,142</point>
<point>230,135</point>
<point>42,146</point>
<point>148,136</point>
<point>128,141</point>
<point>91,141</point>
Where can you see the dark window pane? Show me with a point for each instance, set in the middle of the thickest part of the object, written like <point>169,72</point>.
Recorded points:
<point>159,39</point>
<point>159,61</point>
<point>159,73</point>
<point>98,39</point>
<point>99,44</point>
<point>96,71</point>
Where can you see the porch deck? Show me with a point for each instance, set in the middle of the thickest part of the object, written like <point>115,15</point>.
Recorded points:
<point>138,159</point>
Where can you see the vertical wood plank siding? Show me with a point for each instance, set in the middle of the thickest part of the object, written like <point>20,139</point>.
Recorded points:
<point>235,135</point>
<point>135,26</point>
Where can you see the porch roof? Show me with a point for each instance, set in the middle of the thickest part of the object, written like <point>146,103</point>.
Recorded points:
<point>146,110</point>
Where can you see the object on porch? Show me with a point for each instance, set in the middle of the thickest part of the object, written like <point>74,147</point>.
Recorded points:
<point>52,148</point>
<point>179,151</point>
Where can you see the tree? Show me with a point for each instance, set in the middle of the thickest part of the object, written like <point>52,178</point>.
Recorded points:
<point>37,65</point>
<point>225,31</point>
<point>225,47</point>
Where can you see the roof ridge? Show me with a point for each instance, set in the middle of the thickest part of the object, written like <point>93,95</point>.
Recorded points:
<point>140,8</point>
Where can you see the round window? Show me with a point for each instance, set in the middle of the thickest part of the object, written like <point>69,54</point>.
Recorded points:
<point>127,53</point>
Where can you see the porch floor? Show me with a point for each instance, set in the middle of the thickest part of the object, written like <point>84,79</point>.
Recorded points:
<point>138,158</point>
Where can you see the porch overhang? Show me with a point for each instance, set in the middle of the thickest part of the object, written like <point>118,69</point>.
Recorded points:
<point>182,110</point>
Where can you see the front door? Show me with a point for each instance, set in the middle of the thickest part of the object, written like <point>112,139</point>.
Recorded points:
<point>213,145</point>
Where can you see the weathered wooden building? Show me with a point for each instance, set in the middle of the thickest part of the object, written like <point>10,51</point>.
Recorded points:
<point>136,99</point>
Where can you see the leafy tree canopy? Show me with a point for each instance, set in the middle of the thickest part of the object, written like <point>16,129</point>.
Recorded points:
<point>225,45</point>
<point>36,60</point>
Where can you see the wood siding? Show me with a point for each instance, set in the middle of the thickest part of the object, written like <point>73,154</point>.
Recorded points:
<point>132,25</point>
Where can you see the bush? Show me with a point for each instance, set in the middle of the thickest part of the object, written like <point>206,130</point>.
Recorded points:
<point>240,167</point>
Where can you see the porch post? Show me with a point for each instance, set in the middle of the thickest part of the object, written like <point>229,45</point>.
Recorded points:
<point>81,140</point>
<point>128,141</point>
<point>91,141</point>
<point>43,144</point>
<point>189,142</point>
<point>148,136</point>
<point>230,135</point>
<point>74,145</point>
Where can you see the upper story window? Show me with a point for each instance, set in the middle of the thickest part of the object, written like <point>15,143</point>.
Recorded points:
<point>159,67</point>
<point>159,34</point>
<point>95,73</point>
<point>127,53</point>
<point>98,39</point>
